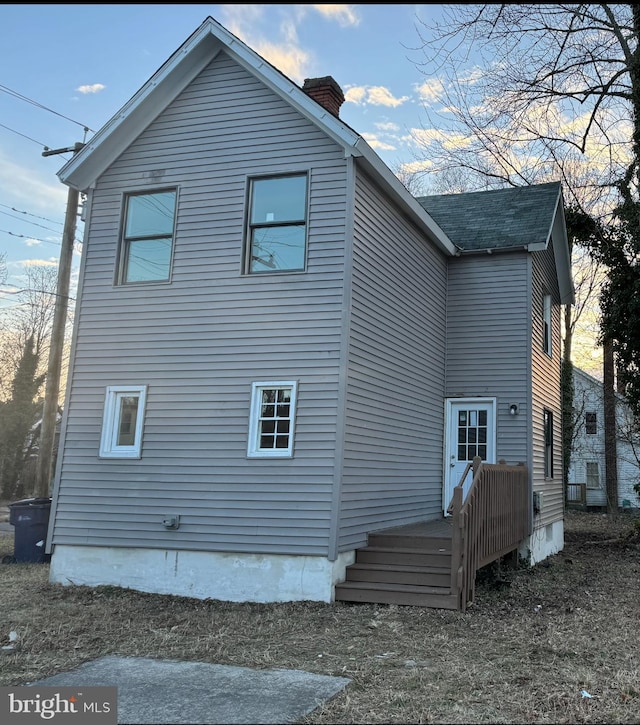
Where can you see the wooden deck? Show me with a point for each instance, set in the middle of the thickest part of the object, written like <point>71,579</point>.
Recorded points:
<point>403,565</point>
<point>434,563</point>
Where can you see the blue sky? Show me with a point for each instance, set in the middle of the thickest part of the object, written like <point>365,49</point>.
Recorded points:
<point>64,67</point>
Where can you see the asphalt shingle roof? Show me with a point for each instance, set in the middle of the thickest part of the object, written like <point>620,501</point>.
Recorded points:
<point>496,219</point>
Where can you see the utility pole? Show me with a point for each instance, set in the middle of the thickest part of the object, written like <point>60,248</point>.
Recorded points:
<point>52,388</point>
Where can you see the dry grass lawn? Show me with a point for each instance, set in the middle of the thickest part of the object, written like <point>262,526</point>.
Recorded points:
<point>532,642</point>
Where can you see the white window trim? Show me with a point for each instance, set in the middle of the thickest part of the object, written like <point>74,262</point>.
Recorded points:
<point>108,447</point>
<point>253,449</point>
<point>547,320</point>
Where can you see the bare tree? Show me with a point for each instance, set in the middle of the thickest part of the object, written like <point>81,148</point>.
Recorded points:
<point>555,94</point>
<point>552,93</point>
<point>29,317</point>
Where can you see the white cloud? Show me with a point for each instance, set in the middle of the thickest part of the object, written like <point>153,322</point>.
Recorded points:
<point>287,56</point>
<point>388,126</point>
<point>448,139</point>
<point>39,262</point>
<point>412,167</point>
<point>374,96</point>
<point>33,242</point>
<point>344,15</point>
<point>94,88</point>
<point>430,90</point>
<point>284,51</point>
<point>355,94</point>
<point>376,143</point>
<point>24,188</point>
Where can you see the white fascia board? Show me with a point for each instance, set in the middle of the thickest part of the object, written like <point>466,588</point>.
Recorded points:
<point>182,67</point>
<point>161,89</point>
<point>557,234</point>
<point>171,79</point>
<point>408,204</point>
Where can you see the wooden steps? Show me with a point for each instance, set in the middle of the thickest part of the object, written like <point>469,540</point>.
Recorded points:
<point>405,565</point>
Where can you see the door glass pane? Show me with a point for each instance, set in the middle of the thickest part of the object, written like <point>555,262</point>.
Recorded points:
<point>472,434</point>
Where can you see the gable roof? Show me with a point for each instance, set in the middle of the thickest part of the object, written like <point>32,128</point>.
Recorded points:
<point>192,57</point>
<point>515,218</point>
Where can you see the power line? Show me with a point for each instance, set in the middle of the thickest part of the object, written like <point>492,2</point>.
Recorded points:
<point>19,211</point>
<point>15,94</point>
<point>39,291</point>
<point>27,221</point>
<point>24,236</point>
<point>23,135</point>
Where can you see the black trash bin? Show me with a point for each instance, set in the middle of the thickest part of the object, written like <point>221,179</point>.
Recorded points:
<point>30,517</point>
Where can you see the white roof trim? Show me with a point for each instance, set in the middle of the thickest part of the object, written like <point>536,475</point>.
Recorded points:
<point>84,168</point>
<point>558,235</point>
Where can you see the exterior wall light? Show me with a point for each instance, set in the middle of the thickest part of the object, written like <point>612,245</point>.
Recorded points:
<point>513,409</point>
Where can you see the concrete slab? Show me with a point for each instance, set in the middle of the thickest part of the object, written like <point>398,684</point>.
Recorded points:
<point>164,692</point>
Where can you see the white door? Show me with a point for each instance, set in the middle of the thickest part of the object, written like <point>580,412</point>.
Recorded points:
<point>471,432</point>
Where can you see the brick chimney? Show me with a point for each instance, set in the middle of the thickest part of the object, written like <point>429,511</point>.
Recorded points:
<point>326,92</point>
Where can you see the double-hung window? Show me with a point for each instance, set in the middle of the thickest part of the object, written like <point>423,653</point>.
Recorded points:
<point>591,423</point>
<point>122,421</point>
<point>272,418</point>
<point>277,224</point>
<point>593,474</point>
<point>147,237</point>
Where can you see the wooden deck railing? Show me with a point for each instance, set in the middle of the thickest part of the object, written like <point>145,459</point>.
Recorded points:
<point>489,522</point>
<point>577,494</point>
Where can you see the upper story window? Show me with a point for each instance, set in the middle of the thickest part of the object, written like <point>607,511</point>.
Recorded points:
<point>147,237</point>
<point>277,227</point>
<point>591,423</point>
<point>271,421</point>
<point>546,324</point>
<point>122,421</point>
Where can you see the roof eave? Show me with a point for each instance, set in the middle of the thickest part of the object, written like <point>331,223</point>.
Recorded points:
<point>370,160</point>
<point>557,234</point>
<point>171,79</point>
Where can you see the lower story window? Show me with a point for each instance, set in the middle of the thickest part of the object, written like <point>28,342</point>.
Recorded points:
<point>272,420</point>
<point>593,474</point>
<point>548,444</point>
<point>122,421</point>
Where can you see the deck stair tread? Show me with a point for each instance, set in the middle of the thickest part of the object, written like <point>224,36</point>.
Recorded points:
<point>407,565</point>
<point>375,566</point>
<point>392,587</point>
<point>410,595</point>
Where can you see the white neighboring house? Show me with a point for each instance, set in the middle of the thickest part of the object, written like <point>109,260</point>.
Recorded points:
<point>587,457</point>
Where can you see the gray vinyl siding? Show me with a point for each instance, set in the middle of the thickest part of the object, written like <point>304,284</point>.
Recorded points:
<point>392,472</point>
<point>487,341</point>
<point>199,341</point>
<point>545,377</point>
